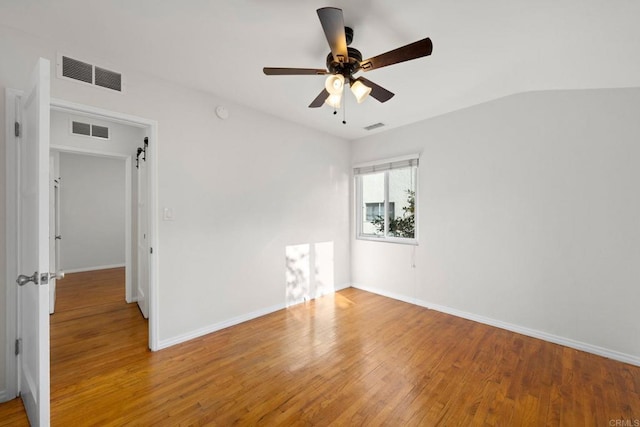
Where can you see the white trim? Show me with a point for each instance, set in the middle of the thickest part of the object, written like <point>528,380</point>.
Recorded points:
<point>95,112</point>
<point>128,240</point>
<point>98,267</point>
<point>390,160</point>
<point>534,333</point>
<point>11,240</point>
<point>236,320</point>
<point>4,396</point>
<point>387,294</point>
<point>152,158</point>
<point>339,288</point>
<point>90,152</point>
<point>358,203</point>
<point>398,240</point>
<point>219,326</point>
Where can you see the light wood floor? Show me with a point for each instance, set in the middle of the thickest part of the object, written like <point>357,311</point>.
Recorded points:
<point>350,359</point>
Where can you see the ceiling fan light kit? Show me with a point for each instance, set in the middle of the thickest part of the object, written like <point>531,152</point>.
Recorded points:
<point>334,84</point>
<point>334,101</point>
<point>360,91</point>
<point>343,62</point>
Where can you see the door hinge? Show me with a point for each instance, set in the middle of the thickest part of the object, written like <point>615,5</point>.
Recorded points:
<point>18,346</point>
<point>16,129</point>
<point>150,250</point>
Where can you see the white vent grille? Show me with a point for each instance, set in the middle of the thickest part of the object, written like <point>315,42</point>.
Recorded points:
<point>80,128</point>
<point>87,129</point>
<point>89,73</point>
<point>374,126</point>
<point>100,131</point>
<point>108,79</point>
<point>77,70</point>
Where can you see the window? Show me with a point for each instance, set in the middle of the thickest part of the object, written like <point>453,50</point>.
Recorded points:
<point>388,186</point>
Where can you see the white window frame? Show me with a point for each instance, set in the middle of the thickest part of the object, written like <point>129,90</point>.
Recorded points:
<point>385,165</point>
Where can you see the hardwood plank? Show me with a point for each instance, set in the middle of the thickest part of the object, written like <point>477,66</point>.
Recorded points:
<point>12,414</point>
<point>353,358</point>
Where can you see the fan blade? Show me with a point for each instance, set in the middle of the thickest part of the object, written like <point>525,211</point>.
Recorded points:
<point>378,92</point>
<point>405,53</point>
<point>269,71</point>
<point>319,99</point>
<point>333,25</point>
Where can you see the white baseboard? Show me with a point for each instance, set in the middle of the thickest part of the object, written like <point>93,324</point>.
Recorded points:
<point>218,326</point>
<point>534,333</point>
<point>230,322</point>
<point>98,267</point>
<point>341,287</point>
<point>3,396</point>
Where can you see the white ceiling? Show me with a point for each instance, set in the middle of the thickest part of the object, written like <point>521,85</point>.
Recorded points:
<point>482,49</point>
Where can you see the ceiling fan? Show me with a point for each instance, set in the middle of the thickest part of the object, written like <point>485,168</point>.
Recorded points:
<point>343,62</point>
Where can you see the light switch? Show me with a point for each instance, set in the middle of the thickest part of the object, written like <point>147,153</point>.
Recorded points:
<point>167,214</point>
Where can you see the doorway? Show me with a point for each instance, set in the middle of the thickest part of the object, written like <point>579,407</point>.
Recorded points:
<point>149,128</point>
<point>13,99</point>
<point>93,215</point>
<point>93,178</point>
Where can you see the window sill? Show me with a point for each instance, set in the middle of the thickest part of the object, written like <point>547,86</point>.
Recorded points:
<point>397,240</point>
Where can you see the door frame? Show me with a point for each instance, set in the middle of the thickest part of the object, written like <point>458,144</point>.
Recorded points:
<point>12,97</point>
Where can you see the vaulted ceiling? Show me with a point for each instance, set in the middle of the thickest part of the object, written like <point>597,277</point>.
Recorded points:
<point>482,49</point>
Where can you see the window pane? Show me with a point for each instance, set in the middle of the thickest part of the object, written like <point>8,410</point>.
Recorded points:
<point>402,191</point>
<point>373,204</point>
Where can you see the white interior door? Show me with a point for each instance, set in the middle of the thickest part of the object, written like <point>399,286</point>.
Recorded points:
<point>143,241</point>
<point>33,243</point>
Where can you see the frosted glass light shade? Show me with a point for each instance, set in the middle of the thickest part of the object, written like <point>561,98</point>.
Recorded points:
<point>334,100</point>
<point>334,84</point>
<point>360,90</point>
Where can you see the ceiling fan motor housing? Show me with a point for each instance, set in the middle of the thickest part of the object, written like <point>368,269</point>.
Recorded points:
<point>347,68</point>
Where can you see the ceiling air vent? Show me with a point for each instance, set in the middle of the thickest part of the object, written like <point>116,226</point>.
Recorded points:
<point>86,129</point>
<point>374,126</point>
<point>89,73</point>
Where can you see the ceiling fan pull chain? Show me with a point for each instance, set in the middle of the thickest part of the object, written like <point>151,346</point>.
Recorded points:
<point>344,112</point>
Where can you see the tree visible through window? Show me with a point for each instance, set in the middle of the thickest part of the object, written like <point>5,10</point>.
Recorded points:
<point>391,188</point>
<point>404,225</point>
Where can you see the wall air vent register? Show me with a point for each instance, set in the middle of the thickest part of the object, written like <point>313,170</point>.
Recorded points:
<point>80,71</point>
<point>87,129</point>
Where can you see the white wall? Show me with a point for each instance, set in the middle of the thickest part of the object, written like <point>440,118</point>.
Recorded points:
<point>92,212</point>
<point>528,216</point>
<point>242,191</point>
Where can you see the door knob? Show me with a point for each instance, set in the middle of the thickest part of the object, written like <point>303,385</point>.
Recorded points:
<point>23,279</point>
